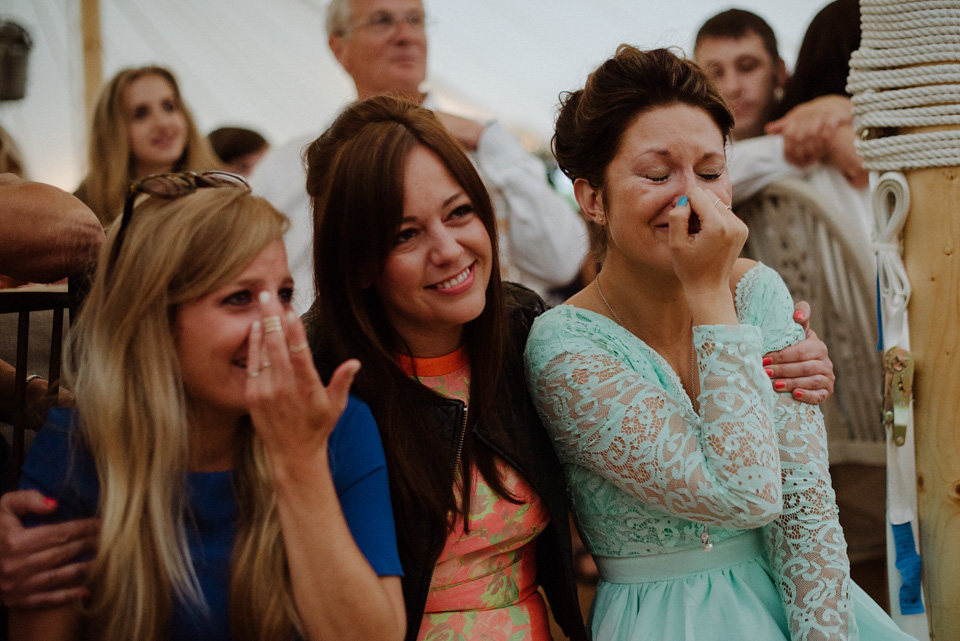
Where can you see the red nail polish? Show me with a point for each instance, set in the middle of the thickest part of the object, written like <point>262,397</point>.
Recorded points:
<point>769,372</point>
<point>797,393</point>
<point>767,361</point>
<point>779,385</point>
<point>798,316</point>
<point>50,502</point>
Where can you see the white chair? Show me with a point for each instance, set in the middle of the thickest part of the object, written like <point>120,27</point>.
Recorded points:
<point>826,261</point>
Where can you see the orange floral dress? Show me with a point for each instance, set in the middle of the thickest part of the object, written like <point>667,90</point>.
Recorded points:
<point>484,585</point>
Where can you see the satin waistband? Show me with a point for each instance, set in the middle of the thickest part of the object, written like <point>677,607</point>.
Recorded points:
<point>682,563</point>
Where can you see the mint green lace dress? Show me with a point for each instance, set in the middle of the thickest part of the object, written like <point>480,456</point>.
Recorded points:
<point>654,483</point>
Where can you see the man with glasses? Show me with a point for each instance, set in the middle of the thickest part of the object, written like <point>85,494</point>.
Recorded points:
<point>382,44</point>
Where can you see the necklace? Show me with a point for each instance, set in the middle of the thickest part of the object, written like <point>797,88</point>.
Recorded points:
<point>705,533</point>
<point>607,303</point>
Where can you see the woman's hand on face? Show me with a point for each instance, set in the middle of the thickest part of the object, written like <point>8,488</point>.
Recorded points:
<point>37,567</point>
<point>805,369</point>
<point>705,240</point>
<point>291,409</point>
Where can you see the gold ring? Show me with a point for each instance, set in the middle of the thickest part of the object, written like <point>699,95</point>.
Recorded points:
<point>300,347</point>
<point>271,324</point>
<point>253,374</point>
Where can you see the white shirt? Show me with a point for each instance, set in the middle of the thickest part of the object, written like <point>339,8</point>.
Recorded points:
<point>756,162</point>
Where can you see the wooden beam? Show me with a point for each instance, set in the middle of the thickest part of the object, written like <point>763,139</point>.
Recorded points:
<point>931,248</point>
<point>92,52</point>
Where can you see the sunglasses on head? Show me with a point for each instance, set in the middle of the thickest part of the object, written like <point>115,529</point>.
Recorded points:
<point>171,186</point>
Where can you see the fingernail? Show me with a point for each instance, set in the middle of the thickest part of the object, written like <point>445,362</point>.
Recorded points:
<point>50,502</point>
<point>769,372</point>
<point>256,326</point>
<point>291,316</point>
<point>779,385</point>
<point>683,201</point>
<point>797,393</point>
<point>767,361</point>
<point>798,316</point>
<point>264,297</point>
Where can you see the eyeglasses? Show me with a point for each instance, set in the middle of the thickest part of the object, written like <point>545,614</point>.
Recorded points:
<point>381,23</point>
<point>171,186</point>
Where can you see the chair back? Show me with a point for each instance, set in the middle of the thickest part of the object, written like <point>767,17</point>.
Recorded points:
<point>825,260</point>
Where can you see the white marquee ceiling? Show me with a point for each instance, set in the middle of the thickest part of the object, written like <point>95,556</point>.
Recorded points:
<point>265,63</point>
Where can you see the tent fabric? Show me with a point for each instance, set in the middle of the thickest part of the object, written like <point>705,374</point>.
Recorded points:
<point>266,65</point>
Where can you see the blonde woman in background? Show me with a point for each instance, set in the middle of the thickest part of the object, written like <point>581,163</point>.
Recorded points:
<point>140,127</point>
<point>230,482</point>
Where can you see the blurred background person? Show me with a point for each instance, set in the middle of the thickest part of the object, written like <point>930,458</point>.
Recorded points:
<point>140,126</point>
<point>382,44</point>
<point>239,148</point>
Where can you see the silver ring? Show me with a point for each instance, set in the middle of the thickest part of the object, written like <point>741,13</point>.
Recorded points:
<point>300,347</point>
<point>253,374</point>
<point>264,365</point>
<point>271,324</point>
<point>725,206</point>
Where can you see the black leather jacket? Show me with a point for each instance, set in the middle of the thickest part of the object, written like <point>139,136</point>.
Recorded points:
<point>539,467</point>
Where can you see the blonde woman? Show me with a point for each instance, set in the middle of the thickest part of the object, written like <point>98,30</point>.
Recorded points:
<point>140,127</point>
<point>240,498</point>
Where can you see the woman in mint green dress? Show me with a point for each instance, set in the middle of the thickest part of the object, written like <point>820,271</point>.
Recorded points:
<point>703,495</point>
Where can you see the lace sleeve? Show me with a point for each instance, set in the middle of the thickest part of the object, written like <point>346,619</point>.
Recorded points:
<point>806,546</point>
<point>608,410</point>
<point>805,543</point>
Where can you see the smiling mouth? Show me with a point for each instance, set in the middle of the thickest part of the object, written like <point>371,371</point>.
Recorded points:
<point>456,280</point>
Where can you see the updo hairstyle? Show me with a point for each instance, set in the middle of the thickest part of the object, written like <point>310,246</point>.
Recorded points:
<point>592,120</point>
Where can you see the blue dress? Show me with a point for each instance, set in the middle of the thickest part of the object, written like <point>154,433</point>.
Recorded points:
<point>656,483</point>
<point>58,469</point>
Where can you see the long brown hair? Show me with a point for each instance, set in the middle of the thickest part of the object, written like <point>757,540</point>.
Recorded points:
<point>355,176</point>
<point>110,162</point>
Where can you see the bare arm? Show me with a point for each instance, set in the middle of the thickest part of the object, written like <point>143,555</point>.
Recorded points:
<point>337,592</point>
<point>47,234</point>
<point>37,403</point>
<point>466,131</point>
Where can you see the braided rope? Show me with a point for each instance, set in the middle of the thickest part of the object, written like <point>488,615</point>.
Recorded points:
<point>907,77</point>
<point>948,36</point>
<point>900,7</point>
<point>909,97</point>
<point>906,73</point>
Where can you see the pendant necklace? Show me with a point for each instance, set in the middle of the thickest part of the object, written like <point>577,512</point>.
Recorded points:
<point>705,533</point>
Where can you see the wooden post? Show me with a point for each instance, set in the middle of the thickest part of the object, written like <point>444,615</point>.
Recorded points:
<point>92,52</point>
<point>931,248</point>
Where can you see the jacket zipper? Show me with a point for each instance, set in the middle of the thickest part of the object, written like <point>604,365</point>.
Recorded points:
<point>463,435</point>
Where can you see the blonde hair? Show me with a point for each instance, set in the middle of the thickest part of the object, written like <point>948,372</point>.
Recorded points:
<point>111,165</point>
<point>134,420</point>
